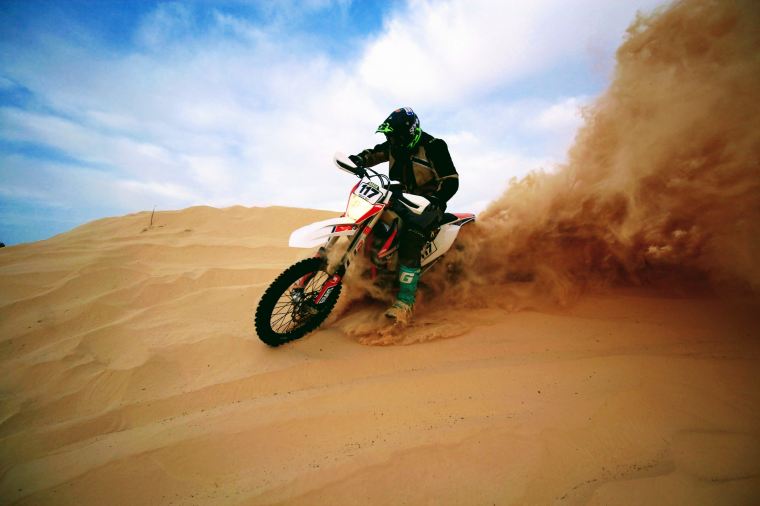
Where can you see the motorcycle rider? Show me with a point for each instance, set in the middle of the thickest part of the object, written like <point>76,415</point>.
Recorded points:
<point>423,166</point>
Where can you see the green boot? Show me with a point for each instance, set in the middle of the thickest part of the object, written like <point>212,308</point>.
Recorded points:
<point>401,310</point>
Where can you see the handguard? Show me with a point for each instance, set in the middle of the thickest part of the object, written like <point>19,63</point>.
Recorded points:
<point>345,164</point>
<point>415,203</point>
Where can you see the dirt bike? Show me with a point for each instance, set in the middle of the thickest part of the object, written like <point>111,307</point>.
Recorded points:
<point>302,297</point>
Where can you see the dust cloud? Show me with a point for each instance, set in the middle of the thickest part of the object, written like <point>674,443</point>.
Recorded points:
<point>661,187</point>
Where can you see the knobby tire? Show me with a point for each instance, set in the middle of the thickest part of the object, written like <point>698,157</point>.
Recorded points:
<point>284,315</point>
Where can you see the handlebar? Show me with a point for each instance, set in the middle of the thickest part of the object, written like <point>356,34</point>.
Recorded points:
<point>362,172</point>
<point>396,189</point>
<point>346,164</point>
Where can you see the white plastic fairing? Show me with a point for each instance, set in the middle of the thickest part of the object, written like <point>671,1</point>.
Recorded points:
<point>418,203</point>
<point>317,233</point>
<point>441,244</point>
<point>344,163</point>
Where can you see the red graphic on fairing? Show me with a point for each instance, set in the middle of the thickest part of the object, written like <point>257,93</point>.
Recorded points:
<point>343,228</point>
<point>463,218</point>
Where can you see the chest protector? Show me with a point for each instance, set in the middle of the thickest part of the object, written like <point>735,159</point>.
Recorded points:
<point>418,175</point>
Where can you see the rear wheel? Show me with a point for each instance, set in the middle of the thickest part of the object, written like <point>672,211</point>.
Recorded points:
<point>289,308</point>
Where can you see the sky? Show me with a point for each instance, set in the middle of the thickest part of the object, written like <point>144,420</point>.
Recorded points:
<point>114,107</point>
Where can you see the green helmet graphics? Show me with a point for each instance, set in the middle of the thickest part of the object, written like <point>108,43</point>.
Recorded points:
<point>402,128</point>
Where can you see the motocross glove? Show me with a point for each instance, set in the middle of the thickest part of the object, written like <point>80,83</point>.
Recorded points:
<point>357,159</point>
<point>436,205</point>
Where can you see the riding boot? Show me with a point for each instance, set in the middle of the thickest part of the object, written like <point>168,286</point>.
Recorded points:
<point>401,310</point>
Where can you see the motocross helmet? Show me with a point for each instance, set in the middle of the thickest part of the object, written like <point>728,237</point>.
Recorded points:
<point>401,128</point>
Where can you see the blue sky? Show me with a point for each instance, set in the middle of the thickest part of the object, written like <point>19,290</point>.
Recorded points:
<point>108,108</point>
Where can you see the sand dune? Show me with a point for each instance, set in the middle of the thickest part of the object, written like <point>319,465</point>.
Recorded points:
<point>534,374</point>
<point>131,375</point>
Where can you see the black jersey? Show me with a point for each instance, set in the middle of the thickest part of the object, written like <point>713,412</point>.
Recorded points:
<point>425,170</point>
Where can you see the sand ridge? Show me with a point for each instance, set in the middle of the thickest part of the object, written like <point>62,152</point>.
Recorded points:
<point>132,376</point>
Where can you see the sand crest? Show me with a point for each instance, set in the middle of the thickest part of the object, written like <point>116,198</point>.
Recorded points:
<point>131,375</point>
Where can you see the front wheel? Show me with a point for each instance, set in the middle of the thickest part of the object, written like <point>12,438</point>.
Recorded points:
<point>297,302</point>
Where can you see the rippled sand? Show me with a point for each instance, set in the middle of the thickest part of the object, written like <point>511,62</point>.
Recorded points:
<point>131,375</point>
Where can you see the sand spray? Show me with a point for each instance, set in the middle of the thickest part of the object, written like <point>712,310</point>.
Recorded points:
<point>661,187</point>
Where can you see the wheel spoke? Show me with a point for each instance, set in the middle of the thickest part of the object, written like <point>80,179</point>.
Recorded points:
<point>295,306</point>
<point>277,319</point>
<point>288,325</point>
<point>277,322</point>
<point>286,308</point>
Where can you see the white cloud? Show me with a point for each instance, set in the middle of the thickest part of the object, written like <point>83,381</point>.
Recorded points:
<point>235,113</point>
<point>162,191</point>
<point>69,186</point>
<point>562,116</point>
<point>84,142</point>
<point>166,23</point>
<point>435,52</point>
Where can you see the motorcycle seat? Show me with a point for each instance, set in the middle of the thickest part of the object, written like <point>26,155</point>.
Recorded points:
<point>449,218</point>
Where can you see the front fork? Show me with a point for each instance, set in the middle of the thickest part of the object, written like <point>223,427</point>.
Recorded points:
<point>336,275</point>
<point>297,292</point>
<point>322,253</point>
